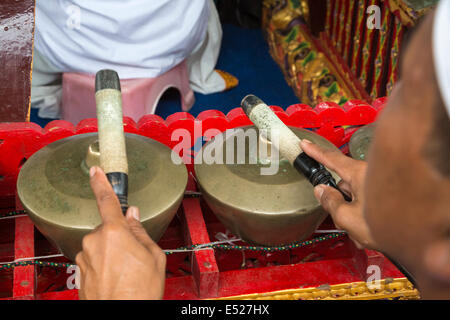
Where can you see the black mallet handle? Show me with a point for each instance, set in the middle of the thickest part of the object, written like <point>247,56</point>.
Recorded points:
<point>316,173</point>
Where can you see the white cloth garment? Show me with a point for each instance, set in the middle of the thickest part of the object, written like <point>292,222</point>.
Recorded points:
<point>201,63</point>
<point>46,88</point>
<point>137,38</point>
<point>441,49</point>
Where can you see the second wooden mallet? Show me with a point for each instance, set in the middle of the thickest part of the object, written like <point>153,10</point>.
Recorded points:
<point>289,144</point>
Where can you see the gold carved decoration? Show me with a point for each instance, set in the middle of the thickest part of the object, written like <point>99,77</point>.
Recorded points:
<point>406,14</point>
<point>399,288</point>
<point>306,69</point>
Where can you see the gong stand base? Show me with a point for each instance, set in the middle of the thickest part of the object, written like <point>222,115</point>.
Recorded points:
<point>337,265</point>
<point>324,269</point>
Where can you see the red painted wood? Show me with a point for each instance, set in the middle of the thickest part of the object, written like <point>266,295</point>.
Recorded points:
<point>303,116</point>
<point>86,126</point>
<point>178,124</point>
<point>238,118</point>
<point>153,126</point>
<point>295,276</point>
<point>359,112</point>
<point>348,132</point>
<point>181,120</point>
<point>380,103</point>
<point>24,277</point>
<point>18,141</point>
<point>330,114</point>
<point>61,295</point>
<point>16,56</point>
<point>181,288</point>
<point>58,129</point>
<point>300,275</point>
<point>334,134</point>
<point>204,266</point>
<point>280,113</point>
<point>207,273</point>
<point>129,125</point>
<point>213,122</point>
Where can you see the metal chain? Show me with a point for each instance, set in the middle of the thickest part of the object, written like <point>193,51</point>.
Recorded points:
<point>189,249</point>
<point>194,247</point>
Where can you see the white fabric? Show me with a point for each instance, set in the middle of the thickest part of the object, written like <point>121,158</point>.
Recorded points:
<point>137,38</point>
<point>441,50</point>
<point>203,60</point>
<point>46,88</point>
<point>130,53</point>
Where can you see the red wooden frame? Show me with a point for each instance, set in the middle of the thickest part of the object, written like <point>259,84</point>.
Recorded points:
<point>201,274</point>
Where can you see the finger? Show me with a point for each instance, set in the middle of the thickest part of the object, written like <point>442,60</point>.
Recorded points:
<point>332,159</point>
<point>357,229</point>
<point>133,213</point>
<point>107,202</point>
<point>345,187</point>
<point>358,245</point>
<point>133,220</point>
<point>81,294</point>
<point>82,264</point>
<point>329,198</point>
<point>80,261</point>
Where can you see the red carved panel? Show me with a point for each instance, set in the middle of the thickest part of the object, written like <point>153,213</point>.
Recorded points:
<point>16,52</point>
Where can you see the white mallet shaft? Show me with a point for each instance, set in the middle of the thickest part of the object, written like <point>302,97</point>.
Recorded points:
<point>267,121</point>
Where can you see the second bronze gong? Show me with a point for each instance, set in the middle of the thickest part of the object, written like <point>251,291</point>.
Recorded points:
<point>261,209</point>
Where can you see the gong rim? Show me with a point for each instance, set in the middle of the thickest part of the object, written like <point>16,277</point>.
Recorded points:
<point>360,142</point>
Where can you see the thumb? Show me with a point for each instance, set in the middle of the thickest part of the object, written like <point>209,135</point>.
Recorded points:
<point>133,219</point>
<point>329,198</point>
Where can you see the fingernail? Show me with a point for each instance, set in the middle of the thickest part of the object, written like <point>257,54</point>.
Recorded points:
<point>306,141</point>
<point>92,171</point>
<point>318,191</point>
<point>134,212</point>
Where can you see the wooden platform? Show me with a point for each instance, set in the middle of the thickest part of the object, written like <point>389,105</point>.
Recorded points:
<point>333,268</point>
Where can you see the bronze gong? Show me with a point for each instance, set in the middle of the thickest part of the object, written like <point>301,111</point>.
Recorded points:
<point>360,142</point>
<point>53,186</point>
<point>261,209</point>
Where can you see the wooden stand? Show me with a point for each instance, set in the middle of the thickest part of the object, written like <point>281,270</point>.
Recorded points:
<point>331,269</point>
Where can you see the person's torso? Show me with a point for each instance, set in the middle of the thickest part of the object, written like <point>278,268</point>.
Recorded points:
<point>138,38</point>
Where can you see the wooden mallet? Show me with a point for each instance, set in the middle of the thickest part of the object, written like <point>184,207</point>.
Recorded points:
<point>289,144</point>
<point>113,154</point>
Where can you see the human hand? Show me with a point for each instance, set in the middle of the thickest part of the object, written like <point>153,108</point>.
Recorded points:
<point>347,216</point>
<point>119,260</point>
